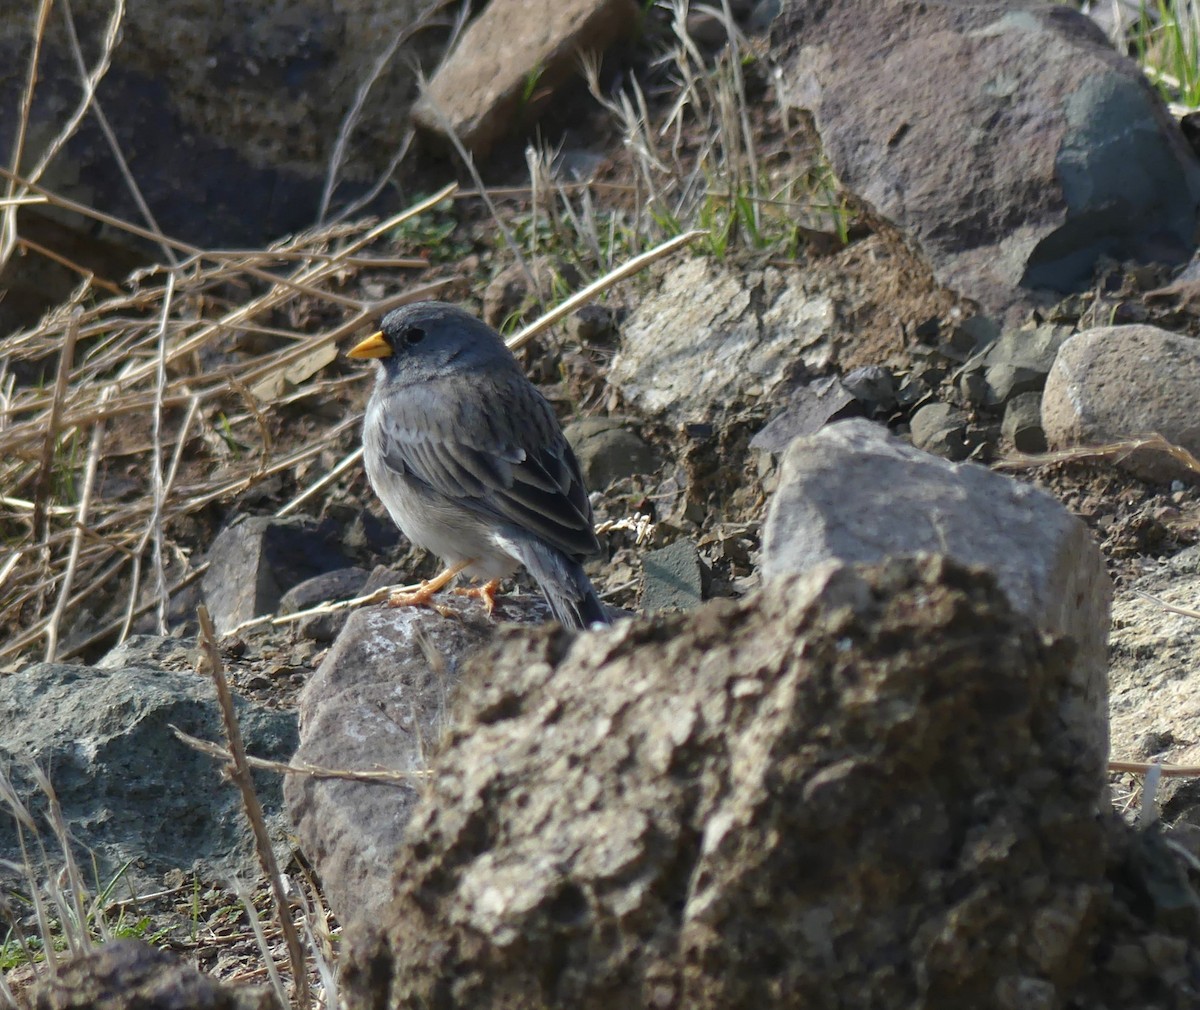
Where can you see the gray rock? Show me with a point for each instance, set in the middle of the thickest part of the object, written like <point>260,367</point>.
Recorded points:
<point>1117,383</point>
<point>340,584</point>
<point>378,703</point>
<point>873,386</point>
<point>132,973</point>
<point>852,789</point>
<point>510,60</point>
<point>1022,425</point>
<point>608,450</point>
<point>941,429</point>
<point>690,358</point>
<point>1018,362</point>
<point>1003,382</point>
<point>1009,174</point>
<point>130,791</point>
<point>808,409</point>
<point>672,578</point>
<point>852,493</point>
<point>256,559</point>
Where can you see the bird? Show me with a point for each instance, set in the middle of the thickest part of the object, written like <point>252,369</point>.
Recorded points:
<point>471,463</point>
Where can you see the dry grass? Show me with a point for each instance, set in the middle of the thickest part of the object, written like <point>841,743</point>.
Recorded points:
<point>168,356</point>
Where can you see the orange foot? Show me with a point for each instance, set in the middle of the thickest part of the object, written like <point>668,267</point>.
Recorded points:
<point>424,594</point>
<point>486,592</point>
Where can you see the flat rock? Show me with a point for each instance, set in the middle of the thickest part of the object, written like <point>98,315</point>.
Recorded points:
<point>1117,383</point>
<point>378,704</point>
<point>131,793</point>
<point>853,493</point>
<point>510,60</point>
<point>692,358</point>
<point>1009,142</point>
<point>672,578</point>
<point>850,789</point>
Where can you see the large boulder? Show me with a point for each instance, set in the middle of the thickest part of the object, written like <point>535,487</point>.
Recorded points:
<point>854,493</point>
<point>850,789</point>
<point>1008,141</point>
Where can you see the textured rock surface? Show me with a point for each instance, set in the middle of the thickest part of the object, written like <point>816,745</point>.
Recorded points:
<point>672,578</point>
<point>132,975</point>
<point>851,789</point>
<point>378,703</point>
<point>853,493</point>
<point>509,61</point>
<point>1009,173</point>
<point>692,358</point>
<point>130,791</point>
<point>1117,383</point>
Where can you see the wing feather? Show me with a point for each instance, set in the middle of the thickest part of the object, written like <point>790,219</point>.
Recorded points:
<point>502,455</point>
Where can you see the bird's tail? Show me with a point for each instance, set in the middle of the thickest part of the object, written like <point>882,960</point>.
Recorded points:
<point>565,584</point>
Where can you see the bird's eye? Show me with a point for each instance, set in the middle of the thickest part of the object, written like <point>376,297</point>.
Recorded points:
<point>412,335</point>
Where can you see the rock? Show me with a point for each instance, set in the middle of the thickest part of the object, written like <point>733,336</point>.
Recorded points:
<point>378,703</point>
<point>1018,362</point>
<point>126,974</point>
<point>808,409</point>
<point>692,358</point>
<point>340,584</point>
<point>103,734</point>
<point>873,386</point>
<point>1116,383</point>
<point>608,451</point>
<point>1081,158</point>
<point>510,60</point>
<point>256,559</point>
<point>851,789</point>
<point>853,493</point>
<point>941,429</point>
<point>1022,426</point>
<point>672,578</point>
<point>238,172</point>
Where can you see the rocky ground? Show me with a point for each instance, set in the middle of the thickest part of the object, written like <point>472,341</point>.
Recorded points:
<point>681,390</point>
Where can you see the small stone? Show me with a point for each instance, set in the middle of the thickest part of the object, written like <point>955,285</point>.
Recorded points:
<point>608,451</point>
<point>256,559</point>
<point>941,429</point>
<point>672,578</point>
<point>1023,423</point>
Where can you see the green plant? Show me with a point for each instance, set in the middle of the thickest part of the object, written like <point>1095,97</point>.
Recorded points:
<point>1166,38</point>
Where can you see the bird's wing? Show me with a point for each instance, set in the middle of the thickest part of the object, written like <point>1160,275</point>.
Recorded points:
<point>502,455</point>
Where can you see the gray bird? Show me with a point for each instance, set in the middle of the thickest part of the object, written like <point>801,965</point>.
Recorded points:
<point>470,461</point>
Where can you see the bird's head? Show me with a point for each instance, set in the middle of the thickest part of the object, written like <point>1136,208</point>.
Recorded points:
<point>429,339</point>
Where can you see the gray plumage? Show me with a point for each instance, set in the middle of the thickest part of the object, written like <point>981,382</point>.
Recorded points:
<point>470,460</point>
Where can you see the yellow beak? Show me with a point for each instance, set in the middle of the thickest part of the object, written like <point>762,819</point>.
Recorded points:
<point>375,346</point>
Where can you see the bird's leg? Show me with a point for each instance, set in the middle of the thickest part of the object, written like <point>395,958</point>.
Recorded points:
<point>486,592</point>
<point>422,595</point>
